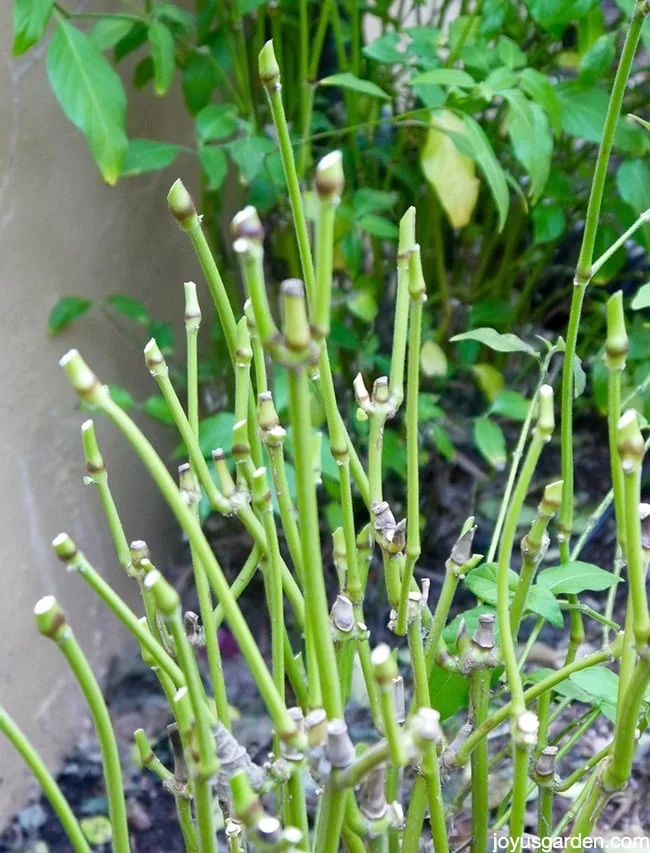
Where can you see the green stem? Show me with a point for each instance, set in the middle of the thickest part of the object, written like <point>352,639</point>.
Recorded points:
<point>285,504</point>
<point>618,768</point>
<point>293,185</point>
<point>635,561</point>
<point>85,677</point>
<point>67,551</point>
<point>516,459</point>
<point>240,583</point>
<point>440,614</point>
<point>418,664</point>
<point>317,617</point>
<point>46,781</point>
<point>545,812</point>
<point>584,266</point>
<point>436,803</point>
<point>88,387</point>
<point>192,323</point>
<point>507,641</point>
<point>412,445</point>
<point>529,696</point>
<point>479,686</point>
<point>273,577</point>
<point>224,311</point>
<point>97,472</point>
<point>415,815</point>
<point>519,792</point>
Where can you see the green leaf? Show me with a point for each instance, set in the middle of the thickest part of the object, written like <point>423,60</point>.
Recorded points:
<point>539,88</point>
<point>564,688</point>
<point>385,49</point>
<point>575,577</point>
<point>249,154</point>
<point>510,404</point>
<point>214,431</point>
<point>214,165</point>
<point>378,226</point>
<point>449,692</point>
<point>531,139</point>
<point>135,38</point>
<point>601,684</point>
<point>579,377</point>
<point>498,80</point>
<point>31,18</point>
<point>216,121</point>
<point>583,116</point>
<point>156,407</point>
<point>490,380</point>
<point>163,334</point>
<point>428,406</point>
<point>363,306</point>
<point>371,201</point>
<point>483,582</point>
<point>394,453</point>
<point>595,62</point>
<point>479,148</point>
<point>443,442</point>
<point>471,619</point>
<point>510,53</point>
<point>91,95</point>
<point>143,73</point>
<point>497,341</point>
<point>445,77</point>
<point>549,223</point>
<point>173,14</point>
<point>552,14</point>
<point>199,81</point>
<point>490,441</point>
<point>108,31</point>
<point>245,7</point>
<point>641,298</point>
<point>541,600</point>
<point>329,468</point>
<point>121,396</point>
<point>628,7</point>
<point>347,80</point>
<point>146,155</point>
<point>633,184</point>
<point>162,53</point>
<point>129,307</point>
<point>65,311</point>
<point>433,361</point>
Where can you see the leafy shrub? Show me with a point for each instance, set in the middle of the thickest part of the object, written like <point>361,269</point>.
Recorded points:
<point>451,665</point>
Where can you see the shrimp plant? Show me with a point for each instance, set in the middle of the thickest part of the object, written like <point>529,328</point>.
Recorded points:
<point>391,793</point>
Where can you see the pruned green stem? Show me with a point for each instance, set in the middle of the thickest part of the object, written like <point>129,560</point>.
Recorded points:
<point>87,385</point>
<point>47,782</point>
<point>479,687</point>
<point>59,631</point>
<point>584,269</point>
<point>529,696</point>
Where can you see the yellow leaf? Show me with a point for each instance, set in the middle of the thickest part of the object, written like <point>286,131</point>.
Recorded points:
<point>489,379</point>
<point>451,174</point>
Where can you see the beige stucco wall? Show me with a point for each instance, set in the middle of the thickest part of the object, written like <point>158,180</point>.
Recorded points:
<point>63,232</point>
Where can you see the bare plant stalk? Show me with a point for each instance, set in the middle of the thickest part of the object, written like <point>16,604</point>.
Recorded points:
<point>51,623</point>
<point>584,268</point>
<point>47,782</point>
